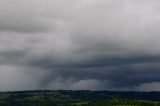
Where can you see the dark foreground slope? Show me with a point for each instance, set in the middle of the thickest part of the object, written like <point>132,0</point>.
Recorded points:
<point>78,98</point>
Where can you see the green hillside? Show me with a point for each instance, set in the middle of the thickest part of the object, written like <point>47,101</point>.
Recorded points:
<point>68,98</point>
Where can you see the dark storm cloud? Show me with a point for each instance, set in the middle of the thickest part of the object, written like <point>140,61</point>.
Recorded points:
<point>116,76</point>
<point>79,44</point>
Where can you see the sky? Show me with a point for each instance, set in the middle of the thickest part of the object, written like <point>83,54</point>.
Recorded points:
<point>80,45</point>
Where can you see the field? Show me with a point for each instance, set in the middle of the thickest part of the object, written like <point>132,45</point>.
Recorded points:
<point>78,98</point>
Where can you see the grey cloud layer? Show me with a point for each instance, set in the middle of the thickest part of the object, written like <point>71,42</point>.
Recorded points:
<point>79,44</point>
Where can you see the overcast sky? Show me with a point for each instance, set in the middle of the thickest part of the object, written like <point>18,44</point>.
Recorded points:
<point>80,44</point>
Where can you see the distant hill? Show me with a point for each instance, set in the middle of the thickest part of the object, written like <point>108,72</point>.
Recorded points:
<point>86,94</point>
<point>152,96</point>
<point>78,98</point>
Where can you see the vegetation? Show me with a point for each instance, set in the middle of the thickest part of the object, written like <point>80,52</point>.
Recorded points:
<point>76,98</point>
<point>122,103</point>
